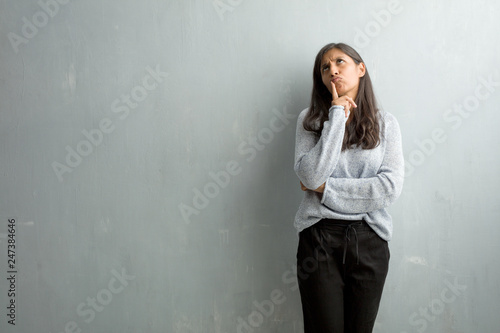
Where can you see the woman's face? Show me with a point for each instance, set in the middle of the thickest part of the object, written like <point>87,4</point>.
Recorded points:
<point>339,68</point>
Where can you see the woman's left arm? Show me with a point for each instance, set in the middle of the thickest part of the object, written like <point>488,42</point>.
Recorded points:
<point>361,195</point>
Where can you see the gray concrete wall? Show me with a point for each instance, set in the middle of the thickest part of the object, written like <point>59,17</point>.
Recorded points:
<point>146,159</point>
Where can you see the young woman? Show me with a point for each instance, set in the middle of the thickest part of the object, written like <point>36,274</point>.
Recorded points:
<point>349,160</point>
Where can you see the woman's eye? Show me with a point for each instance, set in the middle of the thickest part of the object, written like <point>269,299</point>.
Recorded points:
<point>340,61</point>
<point>325,68</point>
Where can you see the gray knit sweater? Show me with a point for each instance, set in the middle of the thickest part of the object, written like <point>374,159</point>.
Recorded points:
<point>360,183</point>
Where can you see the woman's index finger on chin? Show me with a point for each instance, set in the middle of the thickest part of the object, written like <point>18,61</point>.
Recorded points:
<point>335,95</point>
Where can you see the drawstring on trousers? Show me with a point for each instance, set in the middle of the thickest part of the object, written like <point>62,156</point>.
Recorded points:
<point>348,239</point>
<point>348,228</point>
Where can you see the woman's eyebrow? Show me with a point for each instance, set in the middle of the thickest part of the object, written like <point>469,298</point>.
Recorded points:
<point>326,63</point>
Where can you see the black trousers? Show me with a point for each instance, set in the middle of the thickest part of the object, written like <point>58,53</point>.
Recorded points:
<point>341,269</point>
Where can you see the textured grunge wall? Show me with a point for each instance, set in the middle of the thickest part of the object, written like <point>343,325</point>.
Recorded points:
<point>146,161</point>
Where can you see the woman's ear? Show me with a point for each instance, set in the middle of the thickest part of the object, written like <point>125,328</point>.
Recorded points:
<point>361,69</point>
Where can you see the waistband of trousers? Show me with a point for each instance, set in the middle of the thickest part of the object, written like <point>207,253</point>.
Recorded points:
<point>346,227</point>
<point>340,224</point>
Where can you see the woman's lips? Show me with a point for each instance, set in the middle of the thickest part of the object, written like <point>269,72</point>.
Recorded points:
<point>335,79</point>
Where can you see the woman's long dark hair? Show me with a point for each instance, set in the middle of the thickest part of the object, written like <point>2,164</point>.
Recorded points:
<point>363,129</point>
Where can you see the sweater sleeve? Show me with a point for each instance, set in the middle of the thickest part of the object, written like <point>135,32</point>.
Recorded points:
<point>361,195</point>
<point>316,159</point>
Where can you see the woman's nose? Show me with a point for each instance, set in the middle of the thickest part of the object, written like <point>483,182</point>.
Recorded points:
<point>334,70</point>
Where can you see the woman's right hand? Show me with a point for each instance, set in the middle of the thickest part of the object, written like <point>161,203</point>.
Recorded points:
<point>345,101</point>
<point>320,189</point>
